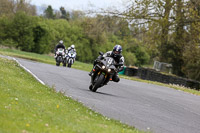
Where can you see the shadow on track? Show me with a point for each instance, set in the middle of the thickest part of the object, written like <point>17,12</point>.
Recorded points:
<point>102,93</point>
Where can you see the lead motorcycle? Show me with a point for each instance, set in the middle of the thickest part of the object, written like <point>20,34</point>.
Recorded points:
<point>103,72</point>
<point>60,57</point>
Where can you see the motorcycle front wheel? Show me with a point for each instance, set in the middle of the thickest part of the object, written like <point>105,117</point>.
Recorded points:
<point>70,64</point>
<point>98,83</point>
<point>57,63</point>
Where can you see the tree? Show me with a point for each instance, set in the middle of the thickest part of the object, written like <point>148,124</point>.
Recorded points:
<point>24,6</point>
<point>64,14</point>
<point>179,41</point>
<point>41,38</point>
<point>165,21</point>
<point>77,15</point>
<point>13,6</point>
<point>192,57</point>
<point>22,33</point>
<point>191,52</point>
<point>135,47</point>
<point>6,32</point>
<point>147,13</point>
<point>6,7</point>
<point>48,13</point>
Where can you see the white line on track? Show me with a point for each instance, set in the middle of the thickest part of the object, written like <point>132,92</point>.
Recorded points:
<point>29,72</point>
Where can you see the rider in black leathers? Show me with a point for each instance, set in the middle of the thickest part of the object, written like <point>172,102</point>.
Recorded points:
<point>59,45</point>
<point>117,56</point>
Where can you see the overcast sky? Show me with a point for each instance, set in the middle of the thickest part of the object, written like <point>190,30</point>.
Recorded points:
<point>80,4</point>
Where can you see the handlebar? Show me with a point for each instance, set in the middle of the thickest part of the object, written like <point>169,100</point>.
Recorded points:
<point>101,53</point>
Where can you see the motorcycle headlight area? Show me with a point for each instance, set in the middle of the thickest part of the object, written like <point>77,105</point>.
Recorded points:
<point>103,67</point>
<point>109,70</point>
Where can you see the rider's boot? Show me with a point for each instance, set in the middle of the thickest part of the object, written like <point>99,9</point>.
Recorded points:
<point>91,73</point>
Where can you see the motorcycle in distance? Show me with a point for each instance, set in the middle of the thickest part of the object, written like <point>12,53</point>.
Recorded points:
<point>70,58</point>
<point>103,72</point>
<point>60,57</point>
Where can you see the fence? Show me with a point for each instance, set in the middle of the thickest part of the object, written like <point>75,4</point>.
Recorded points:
<point>162,66</point>
<point>152,75</point>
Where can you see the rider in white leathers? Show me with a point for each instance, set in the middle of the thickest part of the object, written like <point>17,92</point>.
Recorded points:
<point>71,49</point>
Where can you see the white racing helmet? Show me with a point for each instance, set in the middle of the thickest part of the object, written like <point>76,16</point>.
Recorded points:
<point>61,41</point>
<point>73,46</point>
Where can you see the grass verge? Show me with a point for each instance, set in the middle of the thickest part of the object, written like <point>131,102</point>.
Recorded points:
<point>28,106</point>
<point>42,58</point>
<point>177,87</point>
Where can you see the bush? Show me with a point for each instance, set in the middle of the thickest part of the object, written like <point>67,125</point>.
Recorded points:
<point>22,31</point>
<point>40,35</point>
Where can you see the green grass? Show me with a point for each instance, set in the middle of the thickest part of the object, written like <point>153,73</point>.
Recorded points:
<point>177,87</point>
<point>28,106</point>
<point>42,58</point>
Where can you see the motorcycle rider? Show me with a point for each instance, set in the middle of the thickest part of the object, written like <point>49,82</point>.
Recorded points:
<point>72,48</point>
<point>59,45</point>
<point>117,56</point>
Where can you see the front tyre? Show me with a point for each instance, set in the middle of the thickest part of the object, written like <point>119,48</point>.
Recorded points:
<point>64,64</point>
<point>57,63</point>
<point>70,64</point>
<point>90,87</point>
<point>98,83</point>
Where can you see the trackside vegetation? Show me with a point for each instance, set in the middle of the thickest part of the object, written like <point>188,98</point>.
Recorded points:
<point>28,106</point>
<point>42,58</point>
<point>177,87</point>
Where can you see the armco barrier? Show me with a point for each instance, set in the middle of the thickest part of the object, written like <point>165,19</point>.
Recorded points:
<point>151,74</point>
<point>130,71</point>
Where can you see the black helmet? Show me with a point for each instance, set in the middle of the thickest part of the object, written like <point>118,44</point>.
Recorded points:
<point>117,50</point>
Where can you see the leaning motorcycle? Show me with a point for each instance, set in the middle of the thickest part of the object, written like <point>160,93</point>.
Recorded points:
<point>60,57</point>
<point>103,73</point>
<point>70,58</point>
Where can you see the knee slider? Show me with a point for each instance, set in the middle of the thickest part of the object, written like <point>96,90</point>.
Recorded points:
<point>116,79</point>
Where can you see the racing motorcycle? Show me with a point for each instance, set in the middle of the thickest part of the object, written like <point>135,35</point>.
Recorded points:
<point>60,57</point>
<point>70,58</point>
<point>103,72</point>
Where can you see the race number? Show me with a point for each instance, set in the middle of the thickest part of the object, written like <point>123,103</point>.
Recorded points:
<point>110,61</point>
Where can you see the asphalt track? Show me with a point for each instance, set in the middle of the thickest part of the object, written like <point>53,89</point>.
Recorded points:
<point>147,107</point>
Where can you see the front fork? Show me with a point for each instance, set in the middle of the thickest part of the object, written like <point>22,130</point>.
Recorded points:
<point>107,79</point>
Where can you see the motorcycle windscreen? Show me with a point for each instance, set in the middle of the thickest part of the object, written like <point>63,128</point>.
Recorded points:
<point>108,62</point>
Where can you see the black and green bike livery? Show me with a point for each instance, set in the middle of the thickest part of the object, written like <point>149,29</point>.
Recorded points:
<point>102,72</point>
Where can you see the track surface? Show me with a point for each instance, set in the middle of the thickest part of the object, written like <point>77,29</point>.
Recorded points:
<point>147,107</point>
